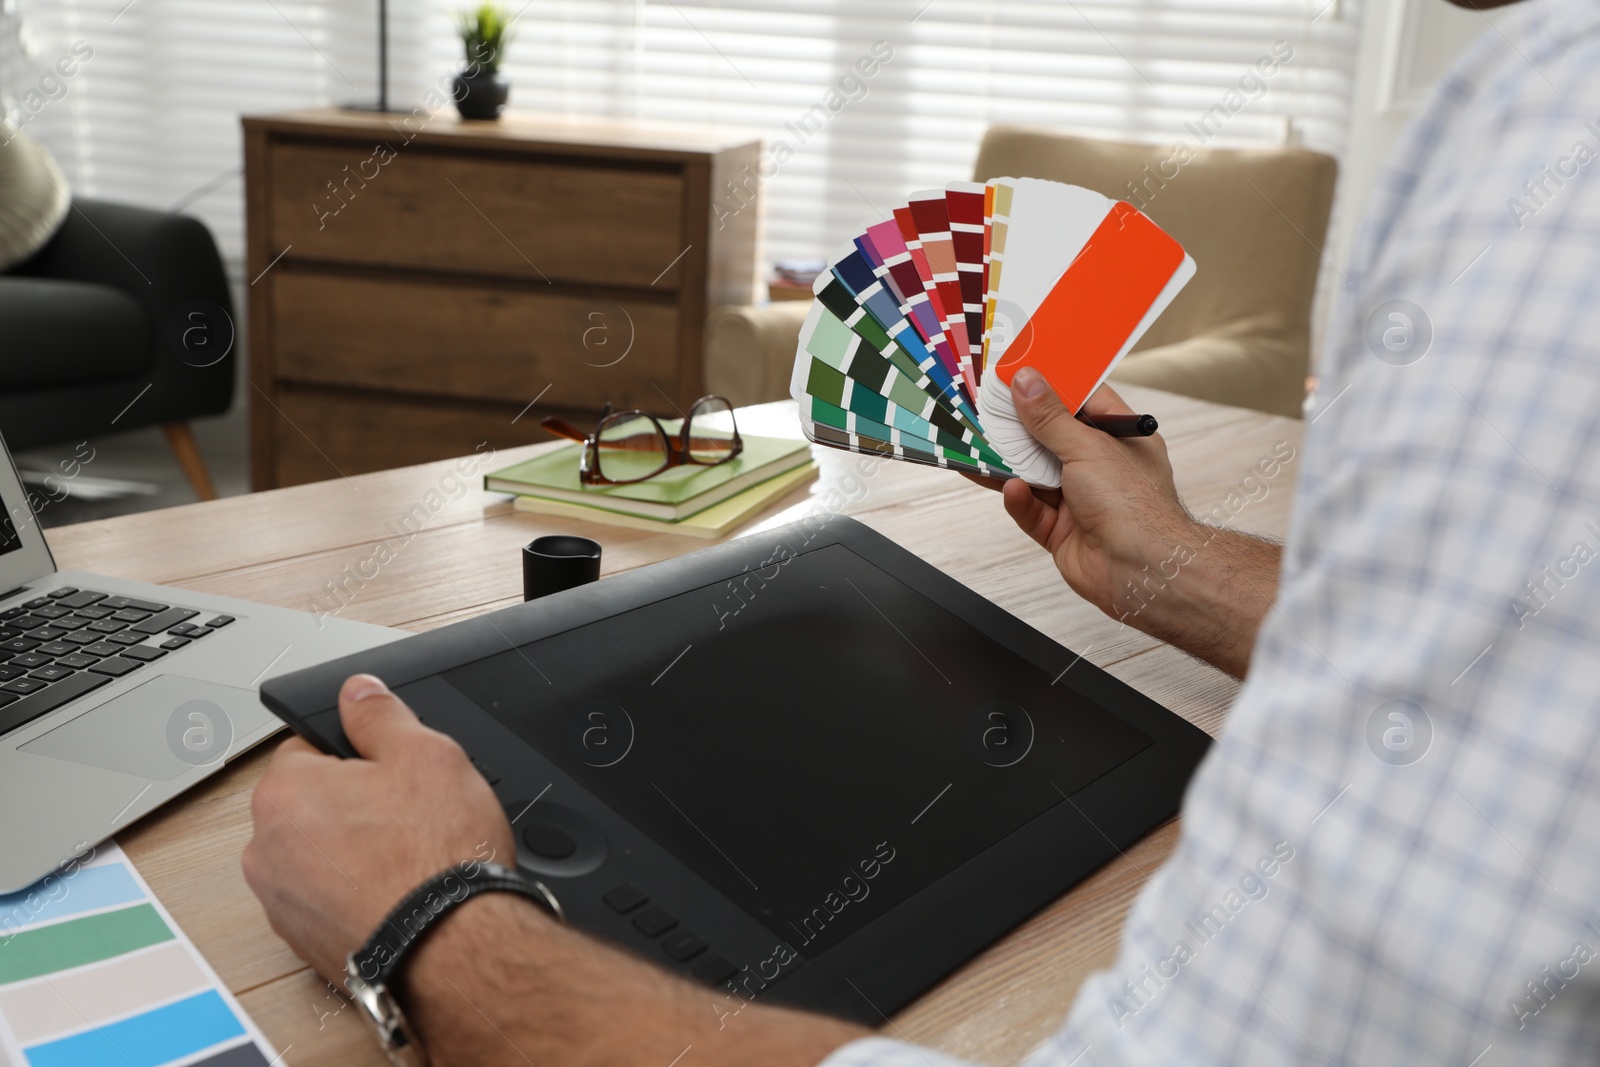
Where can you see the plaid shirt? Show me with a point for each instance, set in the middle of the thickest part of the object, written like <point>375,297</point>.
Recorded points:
<point>1392,854</point>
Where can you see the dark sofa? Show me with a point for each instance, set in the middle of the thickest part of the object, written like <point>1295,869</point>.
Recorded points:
<point>123,320</point>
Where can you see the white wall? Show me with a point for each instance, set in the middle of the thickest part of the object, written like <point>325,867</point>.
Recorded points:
<point>1405,46</point>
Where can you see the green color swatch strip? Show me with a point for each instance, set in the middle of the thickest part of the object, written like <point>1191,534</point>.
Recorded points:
<point>839,347</point>
<point>90,939</point>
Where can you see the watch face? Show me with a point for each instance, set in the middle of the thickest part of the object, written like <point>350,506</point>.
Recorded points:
<point>395,1036</point>
<point>402,1047</point>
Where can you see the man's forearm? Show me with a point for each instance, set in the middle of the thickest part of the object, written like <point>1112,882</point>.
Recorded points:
<point>499,983</point>
<point>1206,594</point>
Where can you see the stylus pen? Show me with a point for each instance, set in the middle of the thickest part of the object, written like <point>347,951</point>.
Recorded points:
<point>1122,425</point>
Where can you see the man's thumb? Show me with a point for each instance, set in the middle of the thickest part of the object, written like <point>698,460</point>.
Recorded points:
<point>1043,413</point>
<point>374,719</point>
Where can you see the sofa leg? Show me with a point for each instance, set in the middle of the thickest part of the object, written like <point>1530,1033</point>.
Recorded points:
<point>180,438</point>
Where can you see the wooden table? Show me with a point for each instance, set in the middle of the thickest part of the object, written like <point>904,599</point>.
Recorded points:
<point>282,546</point>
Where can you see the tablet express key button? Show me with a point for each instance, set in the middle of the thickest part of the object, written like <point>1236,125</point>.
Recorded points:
<point>625,898</point>
<point>653,922</point>
<point>715,969</point>
<point>682,946</point>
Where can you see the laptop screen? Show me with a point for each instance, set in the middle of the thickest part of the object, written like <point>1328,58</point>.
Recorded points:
<point>9,540</point>
<point>24,557</point>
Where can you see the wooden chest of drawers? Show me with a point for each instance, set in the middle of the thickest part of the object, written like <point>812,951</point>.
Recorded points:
<point>419,287</point>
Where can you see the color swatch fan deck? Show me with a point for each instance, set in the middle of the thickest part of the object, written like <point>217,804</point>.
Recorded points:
<point>921,322</point>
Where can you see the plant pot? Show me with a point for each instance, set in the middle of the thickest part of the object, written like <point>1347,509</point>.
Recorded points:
<point>482,95</point>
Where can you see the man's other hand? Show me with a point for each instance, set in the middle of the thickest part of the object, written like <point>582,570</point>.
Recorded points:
<point>1117,513</point>
<point>1122,539</point>
<point>338,842</point>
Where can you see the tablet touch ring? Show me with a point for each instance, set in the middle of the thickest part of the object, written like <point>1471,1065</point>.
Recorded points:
<point>555,841</point>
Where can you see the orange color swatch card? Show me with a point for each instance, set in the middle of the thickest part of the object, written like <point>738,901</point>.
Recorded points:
<point>1094,311</point>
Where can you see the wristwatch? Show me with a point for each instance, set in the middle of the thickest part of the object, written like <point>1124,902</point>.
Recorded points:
<point>369,969</point>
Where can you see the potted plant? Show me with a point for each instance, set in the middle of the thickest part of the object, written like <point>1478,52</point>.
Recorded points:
<point>480,90</point>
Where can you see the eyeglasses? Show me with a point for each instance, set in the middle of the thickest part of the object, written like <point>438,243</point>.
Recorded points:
<point>632,446</point>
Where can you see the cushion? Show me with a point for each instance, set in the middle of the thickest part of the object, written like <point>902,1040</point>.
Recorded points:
<point>64,333</point>
<point>33,197</point>
<point>1254,220</point>
<point>749,351</point>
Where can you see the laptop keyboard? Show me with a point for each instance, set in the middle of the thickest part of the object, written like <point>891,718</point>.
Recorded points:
<point>56,648</point>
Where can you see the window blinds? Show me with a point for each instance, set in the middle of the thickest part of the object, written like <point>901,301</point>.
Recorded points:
<point>870,99</point>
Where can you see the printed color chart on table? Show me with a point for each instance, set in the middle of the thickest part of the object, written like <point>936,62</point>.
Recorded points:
<point>94,973</point>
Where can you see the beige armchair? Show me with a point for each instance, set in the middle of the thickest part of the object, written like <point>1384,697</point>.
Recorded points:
<point>1240,333</point>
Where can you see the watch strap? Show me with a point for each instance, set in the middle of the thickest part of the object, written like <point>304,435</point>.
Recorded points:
<point>425,906</point>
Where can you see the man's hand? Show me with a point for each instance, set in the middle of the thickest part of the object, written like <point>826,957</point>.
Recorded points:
<point>1117,512</point>
<point>1121,537</point>
<point>338,842</point>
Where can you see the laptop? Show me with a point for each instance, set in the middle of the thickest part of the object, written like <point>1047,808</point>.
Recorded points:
<point>116,696</point>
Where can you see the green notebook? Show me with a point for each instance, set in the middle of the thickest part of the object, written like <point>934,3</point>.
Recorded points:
<point>673,494</point>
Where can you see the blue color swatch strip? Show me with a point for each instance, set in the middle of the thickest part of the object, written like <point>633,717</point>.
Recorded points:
<point>55,897</point>
<point>149,1040</point>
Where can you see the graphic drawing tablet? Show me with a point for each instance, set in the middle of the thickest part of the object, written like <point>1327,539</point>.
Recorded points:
<point>803,765</point>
